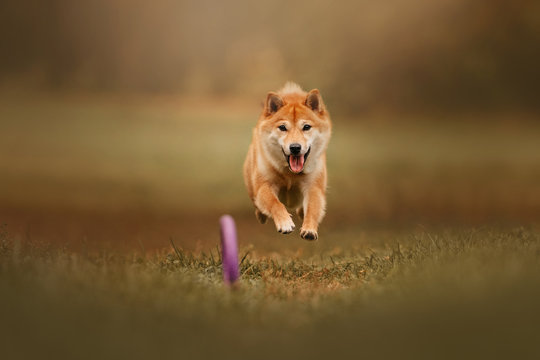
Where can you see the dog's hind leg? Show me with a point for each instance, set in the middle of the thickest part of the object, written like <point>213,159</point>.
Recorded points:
<point>300,212</point>
<point>260,216</point>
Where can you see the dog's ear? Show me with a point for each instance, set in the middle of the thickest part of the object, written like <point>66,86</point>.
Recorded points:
<point>314,101</point>
<point>274,102</point>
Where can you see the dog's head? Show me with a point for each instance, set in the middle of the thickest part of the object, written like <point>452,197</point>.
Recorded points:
<point>295,126</point>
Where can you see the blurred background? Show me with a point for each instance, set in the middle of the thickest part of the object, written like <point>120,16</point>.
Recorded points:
<point>125,123</point>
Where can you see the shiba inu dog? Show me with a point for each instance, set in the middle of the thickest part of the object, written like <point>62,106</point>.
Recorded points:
<point>286,160</point>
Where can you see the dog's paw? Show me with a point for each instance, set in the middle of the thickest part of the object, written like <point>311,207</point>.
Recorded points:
<point>285,226</point>
<point>260,216</point>
<point>309,234</point>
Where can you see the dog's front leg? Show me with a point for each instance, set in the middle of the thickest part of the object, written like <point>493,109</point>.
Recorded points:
<point>268,203</point>
<point>314,208</point>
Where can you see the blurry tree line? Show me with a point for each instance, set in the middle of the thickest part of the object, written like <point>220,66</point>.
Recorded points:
<point>449,55</point>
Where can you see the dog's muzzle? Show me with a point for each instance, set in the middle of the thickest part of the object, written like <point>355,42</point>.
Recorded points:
<point>296,162</point>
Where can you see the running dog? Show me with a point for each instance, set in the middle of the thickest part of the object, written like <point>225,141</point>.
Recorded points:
<point>286,160</point>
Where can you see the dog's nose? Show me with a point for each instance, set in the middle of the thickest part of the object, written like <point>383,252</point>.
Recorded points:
<point>295,149</point>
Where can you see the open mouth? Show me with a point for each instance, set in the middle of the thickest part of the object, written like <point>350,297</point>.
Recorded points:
<point>296,162</point>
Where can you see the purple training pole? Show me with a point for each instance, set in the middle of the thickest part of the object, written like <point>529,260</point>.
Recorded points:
<point>229,249</point>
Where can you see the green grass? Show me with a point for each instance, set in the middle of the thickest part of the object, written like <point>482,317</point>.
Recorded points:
<point>467,294</point>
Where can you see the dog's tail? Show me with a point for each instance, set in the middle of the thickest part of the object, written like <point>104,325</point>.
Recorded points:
<point>291,88</point>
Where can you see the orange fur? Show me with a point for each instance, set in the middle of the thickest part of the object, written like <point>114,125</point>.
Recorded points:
<point>276,176</point>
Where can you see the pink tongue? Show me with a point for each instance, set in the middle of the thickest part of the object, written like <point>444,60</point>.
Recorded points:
<point>296,162</point>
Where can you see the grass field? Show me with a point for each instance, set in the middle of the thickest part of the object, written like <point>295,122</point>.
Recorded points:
<point>430,248</point>
<point>469,294</point>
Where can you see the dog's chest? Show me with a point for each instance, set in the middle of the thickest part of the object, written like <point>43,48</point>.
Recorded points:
<point>291,196</point>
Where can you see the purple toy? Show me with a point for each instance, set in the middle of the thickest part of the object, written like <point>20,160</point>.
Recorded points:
<point>229,249</point>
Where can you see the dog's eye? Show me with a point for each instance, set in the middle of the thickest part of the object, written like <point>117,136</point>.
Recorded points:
<point>282,128</point>
<point>306,127</point>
